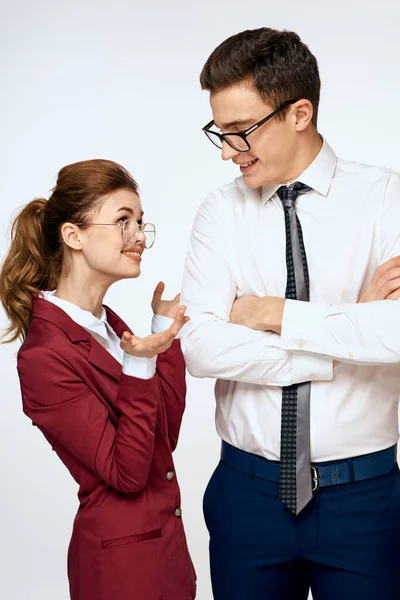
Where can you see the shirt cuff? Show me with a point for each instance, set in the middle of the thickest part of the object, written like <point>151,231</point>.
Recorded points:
<point>139,366</point>
<point>302,327</point>
<point>302,324</point>
<point>160,323</point>
<point>311,367</point>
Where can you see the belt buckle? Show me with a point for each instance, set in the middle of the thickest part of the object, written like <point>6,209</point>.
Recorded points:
<point>315,478</point>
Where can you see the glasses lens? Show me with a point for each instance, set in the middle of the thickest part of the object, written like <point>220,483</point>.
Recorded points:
<point>214,138</point>
<point>236,142</point>
<point>130,231</point>
<point>150,234</point>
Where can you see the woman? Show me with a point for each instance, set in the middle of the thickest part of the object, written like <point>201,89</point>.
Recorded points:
<point>109,403</point>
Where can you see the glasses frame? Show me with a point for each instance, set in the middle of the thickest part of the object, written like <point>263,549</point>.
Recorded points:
<point>242,134</point>
<point>122,225</point>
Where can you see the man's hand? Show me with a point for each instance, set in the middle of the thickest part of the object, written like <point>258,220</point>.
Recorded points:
<point>385,284</point>
<point>156,343</point>
<point>264,313</point>
<point>166,308</point>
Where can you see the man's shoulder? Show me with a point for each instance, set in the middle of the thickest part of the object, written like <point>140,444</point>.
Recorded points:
<point>365,171</point>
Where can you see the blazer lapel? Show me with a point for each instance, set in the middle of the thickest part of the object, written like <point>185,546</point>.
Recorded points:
<point>100,358</point>
<point>116,322</point>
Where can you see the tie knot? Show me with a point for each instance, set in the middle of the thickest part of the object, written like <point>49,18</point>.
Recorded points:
<point>288,194</point>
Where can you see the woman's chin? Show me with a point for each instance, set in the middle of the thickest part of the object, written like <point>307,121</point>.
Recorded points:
<point>133,273</point>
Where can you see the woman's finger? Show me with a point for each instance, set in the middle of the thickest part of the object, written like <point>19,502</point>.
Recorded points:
<point>157,342</point>
<point>158,292</point>
<point>126,340</point>
<point>179,321</point>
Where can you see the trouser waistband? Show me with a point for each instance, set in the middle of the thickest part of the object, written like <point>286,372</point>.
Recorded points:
<point>324,474</point>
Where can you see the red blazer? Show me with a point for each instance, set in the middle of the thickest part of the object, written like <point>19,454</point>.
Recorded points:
<point>115,434</point>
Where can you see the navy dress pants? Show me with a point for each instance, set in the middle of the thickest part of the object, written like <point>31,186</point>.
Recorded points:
<point>345,545</point>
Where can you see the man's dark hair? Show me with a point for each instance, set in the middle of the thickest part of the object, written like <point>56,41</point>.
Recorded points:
<point>278,63</point>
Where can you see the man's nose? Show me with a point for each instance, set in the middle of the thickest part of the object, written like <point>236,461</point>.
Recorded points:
<point>227,152</point>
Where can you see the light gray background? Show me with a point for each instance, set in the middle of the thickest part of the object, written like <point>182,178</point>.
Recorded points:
<point>119,80</point>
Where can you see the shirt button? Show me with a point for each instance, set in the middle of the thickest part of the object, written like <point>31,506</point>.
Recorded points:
<point>312,376</point>
<point>170,475</point>
<point>300,343</point>
<point>351,355</point>
<point>263,380</point>
<point>178,512</point>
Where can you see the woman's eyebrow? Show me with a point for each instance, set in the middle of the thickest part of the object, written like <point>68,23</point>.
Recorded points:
<point>129,210</point>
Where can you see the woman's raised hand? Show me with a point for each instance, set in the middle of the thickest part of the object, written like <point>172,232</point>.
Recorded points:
<point>156,343</point>
<point>166,308</point>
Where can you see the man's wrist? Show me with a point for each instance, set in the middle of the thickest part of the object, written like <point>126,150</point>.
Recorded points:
<point>272,314</point>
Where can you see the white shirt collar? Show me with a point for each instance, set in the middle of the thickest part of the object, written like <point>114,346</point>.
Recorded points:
<point>82,317</point>
<point>318,175</point>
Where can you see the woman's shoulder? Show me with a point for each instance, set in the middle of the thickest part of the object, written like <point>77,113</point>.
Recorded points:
<point>44,333</point>
<point>47,360</point>
<point>52,327</point>
<point>48,341</point>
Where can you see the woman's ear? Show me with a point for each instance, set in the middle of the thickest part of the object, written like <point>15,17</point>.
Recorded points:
<point>70,236</point>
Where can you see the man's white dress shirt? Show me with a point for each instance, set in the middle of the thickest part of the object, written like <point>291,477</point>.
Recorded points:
<point>351,225</point>
<point>135,366</point>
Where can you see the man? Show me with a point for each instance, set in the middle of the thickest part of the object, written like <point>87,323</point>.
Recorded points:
<point>302,332</point>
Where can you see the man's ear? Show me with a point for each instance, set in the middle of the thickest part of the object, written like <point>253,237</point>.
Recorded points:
<point>303,111</point>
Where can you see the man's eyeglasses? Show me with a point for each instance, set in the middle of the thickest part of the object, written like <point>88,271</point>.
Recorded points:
<point>238,141</point>
<point>130,231</point>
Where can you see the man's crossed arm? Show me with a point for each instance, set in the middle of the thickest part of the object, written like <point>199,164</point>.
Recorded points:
<point>367,332</point>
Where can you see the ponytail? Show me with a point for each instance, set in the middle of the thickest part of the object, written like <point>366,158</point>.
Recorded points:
<point>24,270</point>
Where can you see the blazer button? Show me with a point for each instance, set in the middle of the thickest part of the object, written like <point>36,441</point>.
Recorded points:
<point>178,512</point>
<point>170,475</point>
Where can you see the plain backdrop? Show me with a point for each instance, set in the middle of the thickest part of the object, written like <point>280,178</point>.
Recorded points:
<point>119,80</point>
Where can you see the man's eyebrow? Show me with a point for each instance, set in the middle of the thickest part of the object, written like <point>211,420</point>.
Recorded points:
<point>240,124</point>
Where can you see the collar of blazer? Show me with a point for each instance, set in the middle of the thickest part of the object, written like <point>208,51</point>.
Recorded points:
<point>98,356</point>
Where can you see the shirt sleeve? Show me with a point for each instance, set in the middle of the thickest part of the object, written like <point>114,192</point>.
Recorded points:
<point>365,333</point>
<point>214,347</point>
<point>160,323</point>
<point>138,366</point>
